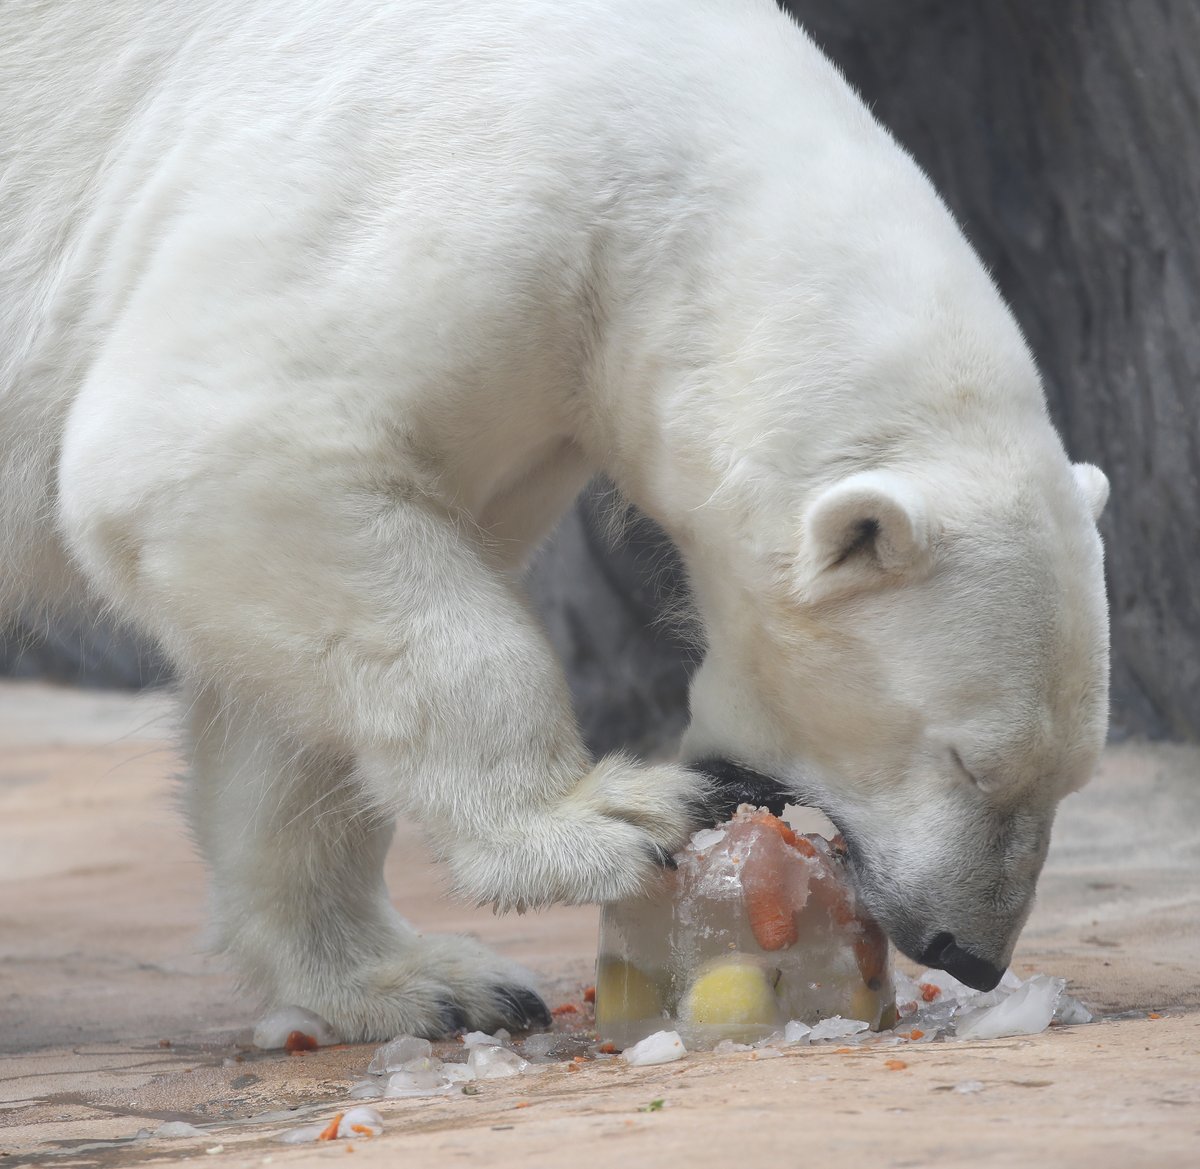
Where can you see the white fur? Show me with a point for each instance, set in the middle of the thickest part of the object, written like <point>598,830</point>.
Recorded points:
<point>314,318</point>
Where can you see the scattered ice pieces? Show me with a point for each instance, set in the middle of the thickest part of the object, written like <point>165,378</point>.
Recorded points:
<point>494,1063</point>
<point>273,1031</point>
<point>178,1128</point>
<point>1026,1010</point>
<point>366,1090</point>
<point>797,1032</point>
<point>969,1087</point>
<point>360,1122</point>
<point>837,1028</point>
<point>661,1047</point>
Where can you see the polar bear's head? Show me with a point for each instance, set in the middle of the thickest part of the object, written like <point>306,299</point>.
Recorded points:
<point>930,669</point>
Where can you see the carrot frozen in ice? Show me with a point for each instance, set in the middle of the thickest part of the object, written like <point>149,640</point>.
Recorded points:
<point>765,889</point>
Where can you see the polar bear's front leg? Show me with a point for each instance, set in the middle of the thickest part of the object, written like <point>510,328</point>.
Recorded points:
<point>298,896</point>
<point>372,663</point>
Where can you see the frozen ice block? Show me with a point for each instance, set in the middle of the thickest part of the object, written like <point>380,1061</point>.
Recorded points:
<point>756,927</point>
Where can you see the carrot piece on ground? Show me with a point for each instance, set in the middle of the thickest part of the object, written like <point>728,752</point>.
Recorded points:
<point>565,1009</point>
<point>929,992</point>
<point>330,1131</point>
<point>607,1049</point>
<point>298,1041</point>
<point>916,1033</point>
<point>589,994</point>
<point>894,1065</point>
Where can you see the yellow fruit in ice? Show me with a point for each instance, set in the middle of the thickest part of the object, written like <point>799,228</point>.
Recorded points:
<point>731,992</point>
<point>865,1004</point>
<point>624,994</point>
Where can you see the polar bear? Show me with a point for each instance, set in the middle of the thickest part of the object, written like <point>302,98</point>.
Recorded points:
<point>315,318</point>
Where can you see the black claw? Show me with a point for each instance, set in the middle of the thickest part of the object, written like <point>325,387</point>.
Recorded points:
<point>662,858</point>
<point>453,1018</point>
<point>521,1008</point>
<point>734,784</point>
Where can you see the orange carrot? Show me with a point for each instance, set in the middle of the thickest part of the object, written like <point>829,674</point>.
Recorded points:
<point>929,992</point>
<point>565,1009</point>
<point>330,1131</point>
<point>766,895</point>
<point>363,1130</point>
<point>589,994</point>
<point>894,1065</point>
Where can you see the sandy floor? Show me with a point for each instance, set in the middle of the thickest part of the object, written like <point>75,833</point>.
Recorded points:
<point>101,965</point>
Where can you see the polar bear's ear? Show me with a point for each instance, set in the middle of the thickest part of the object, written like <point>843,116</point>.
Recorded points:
<point>1094,485</point>
<point>868,528</point>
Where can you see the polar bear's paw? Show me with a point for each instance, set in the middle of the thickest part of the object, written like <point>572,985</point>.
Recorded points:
<point>431,986</point>
<point>607,840</point>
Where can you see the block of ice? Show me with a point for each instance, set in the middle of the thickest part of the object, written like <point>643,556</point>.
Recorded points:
<point>174,1129</point>
<point>365,1090</point>
<point>456,1073</point>
<point>837,1028</point>
<point>487,1062</point>
<point>1024,1011</point>
<point>661,1047</point>
<point>360,1122</point>
<point>397,1053</point>
<point>756,926</point>
<point>272,1031</point>
<point>797,1032</point>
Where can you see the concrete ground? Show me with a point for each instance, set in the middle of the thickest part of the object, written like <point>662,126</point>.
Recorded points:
<point>113,1020</point>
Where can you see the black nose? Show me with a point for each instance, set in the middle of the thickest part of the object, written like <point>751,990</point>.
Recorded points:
<point>946,954</point>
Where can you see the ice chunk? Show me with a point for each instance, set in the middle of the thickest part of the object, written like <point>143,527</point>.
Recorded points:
<point>1071,1011</point>
<point>706,838</point>
<point>483,1039</point>
<point>393,1056</point>
<point>365,1090</point>
<point>456,1073</point>
<point>836,1028</point>
<point>727,1047</point>
<point>969,1087</point>
<point>542,1044</point>
<point>797,1032</point>
<point>302,1135</point>
<point>1026,1011</point>
<point>178,1128</point>
<point>661,1047</point>
<point>272,1031</point>
<point>360,1122</point>
<point>493,1063</point>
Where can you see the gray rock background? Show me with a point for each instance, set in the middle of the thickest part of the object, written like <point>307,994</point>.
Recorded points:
<point>1064,136</point>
